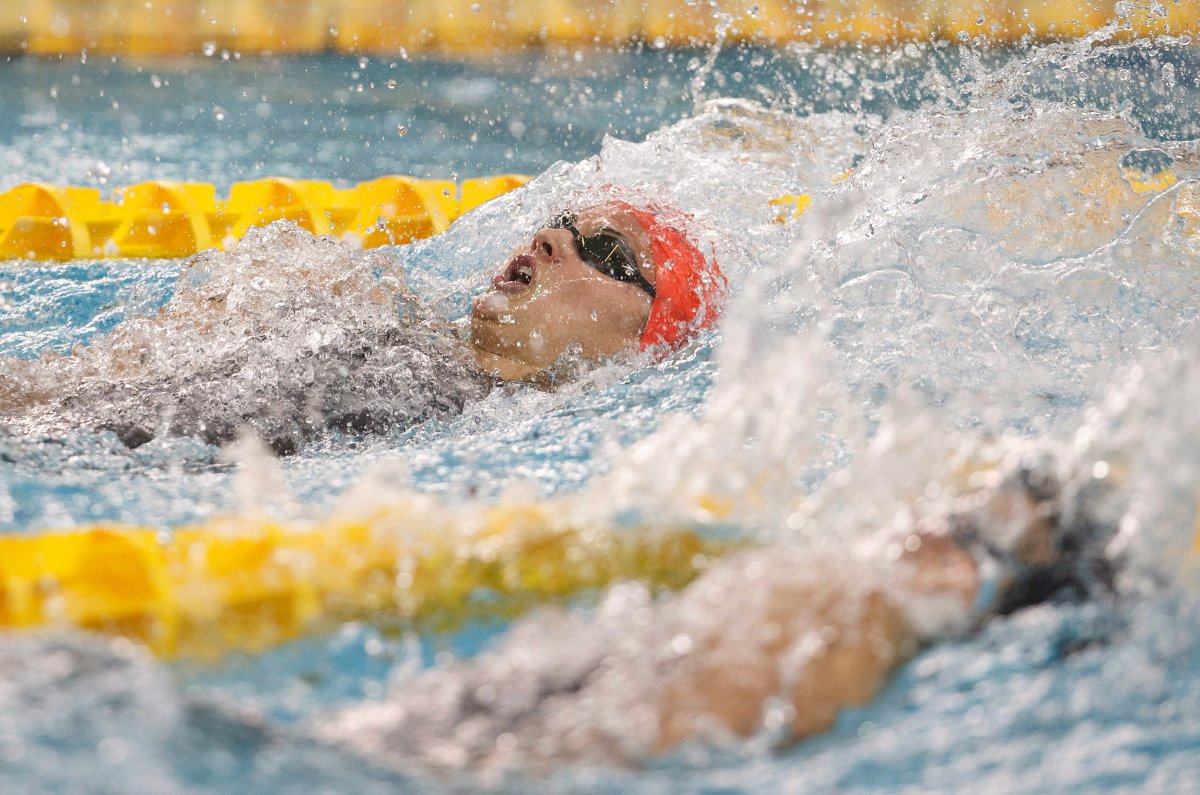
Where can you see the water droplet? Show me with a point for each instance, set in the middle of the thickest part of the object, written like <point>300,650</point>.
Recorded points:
<point>209,48</point>
<point>112,750</point>
<point>99,172</point>
<point>1168,75</point>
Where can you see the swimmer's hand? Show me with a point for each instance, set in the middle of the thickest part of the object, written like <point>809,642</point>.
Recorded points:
<point>1044,536</point>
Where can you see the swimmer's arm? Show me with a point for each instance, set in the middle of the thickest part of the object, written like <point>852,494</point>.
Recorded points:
<point>731,690</point>
<point>806,646</point>
<point>769,638</point>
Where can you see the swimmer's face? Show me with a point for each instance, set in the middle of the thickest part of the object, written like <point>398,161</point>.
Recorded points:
<point>547,300</point>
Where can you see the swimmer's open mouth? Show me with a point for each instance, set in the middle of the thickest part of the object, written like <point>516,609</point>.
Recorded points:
<point>517,276</point>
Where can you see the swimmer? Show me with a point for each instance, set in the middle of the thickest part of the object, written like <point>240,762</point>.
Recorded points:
<point>289,335</point>
<point>609,280</point>
<point>775,640</point>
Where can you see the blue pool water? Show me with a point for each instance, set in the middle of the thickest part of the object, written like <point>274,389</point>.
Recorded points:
<point>985,271</point>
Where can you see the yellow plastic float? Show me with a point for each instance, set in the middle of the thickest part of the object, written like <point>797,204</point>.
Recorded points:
<point>246,584</point>
<point>177,219</point>
<point>36,221</point>
<point>134,28</point>
<point>162,219</point>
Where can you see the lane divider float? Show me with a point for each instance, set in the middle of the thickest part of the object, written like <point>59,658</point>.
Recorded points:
<point>246,584</point>
<point>162,219</point>
<point>231,28</point>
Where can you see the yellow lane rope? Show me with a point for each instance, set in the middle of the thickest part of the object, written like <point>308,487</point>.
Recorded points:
<point>246,584</point>
<point>231,28</point>
<point>177,219</point>
<point>162,219</point>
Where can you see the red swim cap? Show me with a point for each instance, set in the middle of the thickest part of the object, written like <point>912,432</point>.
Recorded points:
<point>690,288</point>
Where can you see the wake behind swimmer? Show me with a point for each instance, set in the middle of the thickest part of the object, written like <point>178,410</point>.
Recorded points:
<point>287,335</point>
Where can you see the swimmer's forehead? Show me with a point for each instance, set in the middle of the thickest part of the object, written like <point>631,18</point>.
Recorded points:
<point>601,216</point>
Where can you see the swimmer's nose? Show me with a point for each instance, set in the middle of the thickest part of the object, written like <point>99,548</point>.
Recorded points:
<point>551,244</point>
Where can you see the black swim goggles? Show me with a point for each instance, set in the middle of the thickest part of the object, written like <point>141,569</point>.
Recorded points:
<point>605,251</point>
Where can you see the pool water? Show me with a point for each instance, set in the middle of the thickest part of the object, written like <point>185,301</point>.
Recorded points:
<point>986,258</point>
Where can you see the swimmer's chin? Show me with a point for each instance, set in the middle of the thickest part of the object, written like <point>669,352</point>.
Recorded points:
<point>504,368</point>
<point>569,367</point>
